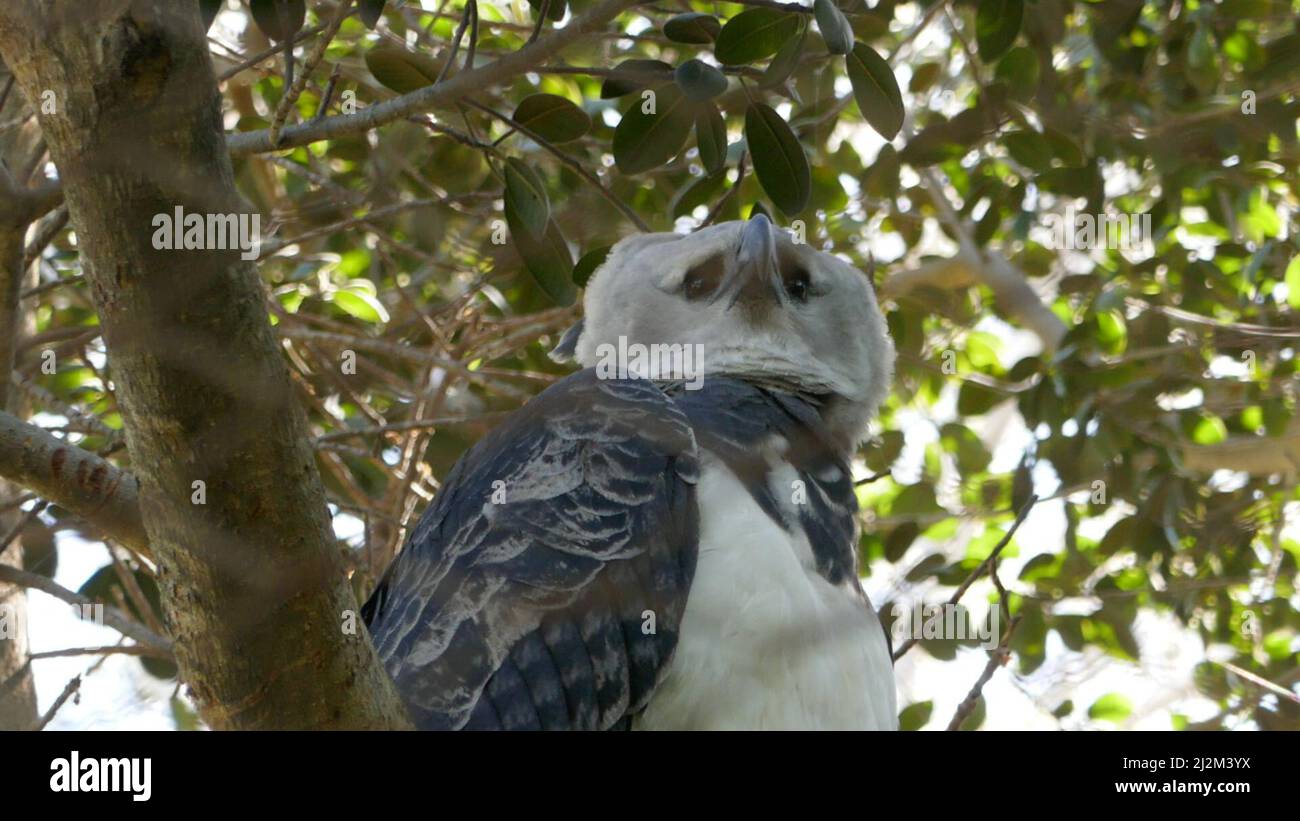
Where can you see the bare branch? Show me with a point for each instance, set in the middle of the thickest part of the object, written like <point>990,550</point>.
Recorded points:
<point>94,489</point>
<point>439,95</point>
<point>113,617</point>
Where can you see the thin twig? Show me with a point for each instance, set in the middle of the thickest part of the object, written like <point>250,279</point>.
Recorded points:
<point>308,66</point>
<point>978,571</point>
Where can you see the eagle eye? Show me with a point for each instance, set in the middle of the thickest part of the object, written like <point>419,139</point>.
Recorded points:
<point>798,284</point>
<point>703,279</point>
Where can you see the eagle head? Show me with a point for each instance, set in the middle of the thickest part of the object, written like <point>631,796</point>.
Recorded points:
<point>755,305</point>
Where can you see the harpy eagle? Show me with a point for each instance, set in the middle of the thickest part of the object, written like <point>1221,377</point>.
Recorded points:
<point>663,553</point>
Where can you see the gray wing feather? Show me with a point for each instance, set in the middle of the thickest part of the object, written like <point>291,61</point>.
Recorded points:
<point>527,613</point>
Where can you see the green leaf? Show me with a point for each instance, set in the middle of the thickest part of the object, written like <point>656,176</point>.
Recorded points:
<point>834,27</point>
<point>779,161</point>
<point>1019,70</point>
<point>754,34</point>
<point>547,258</point>
<point>700,81</point>
<point>554,12</point>
<point>370,11</point>
<point>552,117</point>
<point>1112,707</point>
<point>1293,283</point>
<point>278,19</point>
<point>997,22</point>
<point>587,266</point>
<point>1029,149</point>
<point>634,75</point>
<point>711,137</point>
<point>642,140</point>
<point>876,90</point>
<point>924,76</point>
<point>401,70</point>
<point>785,61</point>
<point>915,716</point>
<point>1209,429</point>
<point>881,180</point>
<point>693,27</point>
<point>360,304</point>
<point>526,197</point>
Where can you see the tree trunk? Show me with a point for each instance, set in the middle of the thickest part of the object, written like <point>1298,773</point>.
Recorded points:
<point>19,149</point>
<point>252,583</point>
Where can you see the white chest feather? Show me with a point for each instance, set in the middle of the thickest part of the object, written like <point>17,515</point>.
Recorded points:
<point>767,642</point>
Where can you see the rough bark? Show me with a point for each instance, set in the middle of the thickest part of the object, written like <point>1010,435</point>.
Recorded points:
<point>19,207</point>
<point>252,583</point>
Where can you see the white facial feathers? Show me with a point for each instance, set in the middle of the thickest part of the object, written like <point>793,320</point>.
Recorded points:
<point>757,305</point>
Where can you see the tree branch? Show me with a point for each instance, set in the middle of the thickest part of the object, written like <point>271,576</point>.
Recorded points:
<point>438,95</point>
<point>994,270</point>
<point>93,488</point>
<point>113,617</point>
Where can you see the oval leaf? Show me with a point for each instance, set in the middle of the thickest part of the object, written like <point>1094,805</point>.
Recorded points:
<point>834,27</point>
<point>711,137</point>
<point>526,197</point>
<point>754,34</point>
<point>692,28</point>
<point>401,70</point>
<point>876,90</point>
<point>553,118</point>
<point>785,61</point>
<point>278,19</point>
<point>365,307</point>
<point>370,11</point>
<point>700,81</point>
<point>779,161</point>
<point>547,258</point>
<point>633,75</point>
<point>997,22</point>
<point>649,136</point>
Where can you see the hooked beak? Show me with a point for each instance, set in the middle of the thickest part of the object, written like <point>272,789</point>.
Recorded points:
<point>755,272</point>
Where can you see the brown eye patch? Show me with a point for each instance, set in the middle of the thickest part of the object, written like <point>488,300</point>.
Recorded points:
<point>796,276</point>
<point>703,279</point>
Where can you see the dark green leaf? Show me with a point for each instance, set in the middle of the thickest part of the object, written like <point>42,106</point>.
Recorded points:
<point>1019,70</point>
<point>834,27</point>
<point>692,28</point>
<point>754,34</point>
<point>997,22</point>
<point>711,137</point>
<point>779,160</point>
<point>526,197</point>
<point>700,81</point>
<point>401,70</point>
<point>785,61</point>
<point>370,11</point>
<point>554,12</point>
<point>278,19</point>
<point>1029,149</point>
<point>552,117</point>
<point>644,140</point>
<point>633,75</point>
<point>547,258</point>
<point>876,90</point>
